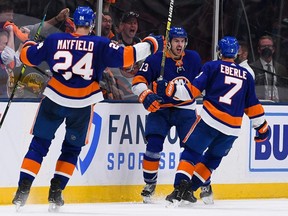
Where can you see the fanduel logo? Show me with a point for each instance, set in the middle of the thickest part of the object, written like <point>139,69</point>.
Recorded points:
<point>86,161</point>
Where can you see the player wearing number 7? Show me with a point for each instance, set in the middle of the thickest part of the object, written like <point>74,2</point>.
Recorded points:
<point>229,93</point>
<point>77,62</point>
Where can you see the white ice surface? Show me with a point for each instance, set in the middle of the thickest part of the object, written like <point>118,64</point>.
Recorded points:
<point>265,207</point>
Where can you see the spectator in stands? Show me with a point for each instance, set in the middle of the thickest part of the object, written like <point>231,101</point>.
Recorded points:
<point>7,63</point>
<point>107,4</point>
<point>242,57</point>
<point>26,86</point>
<point>106,27</point>
<point>128,28</point>
<point>108,83</point>
<point>9,59</point>
<point>271,78</point>
<point>23,33</point>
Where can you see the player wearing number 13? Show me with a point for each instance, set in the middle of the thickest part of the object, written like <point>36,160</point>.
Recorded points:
<point>77,61</point>
<point>229,93</point>
<point>181,66</point>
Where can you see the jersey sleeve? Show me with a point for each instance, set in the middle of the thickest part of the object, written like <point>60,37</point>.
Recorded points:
<point>253,109</point>
<point>143,77</point>
<point>119,56</point>
<point>33,54</point>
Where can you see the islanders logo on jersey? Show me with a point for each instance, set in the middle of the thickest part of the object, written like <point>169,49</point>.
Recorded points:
<point>181,80</point>
<point>182,83</point>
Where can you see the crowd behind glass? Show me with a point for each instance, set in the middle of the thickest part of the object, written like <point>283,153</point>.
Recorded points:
<point>263,25</point>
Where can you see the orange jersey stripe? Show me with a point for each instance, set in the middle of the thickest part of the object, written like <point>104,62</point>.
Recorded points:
<point>254,110</point>
<point>23,57</point>
<point>231,120</point>
<point>34,120</point>
<point>139,79</point>
<point>90,123</point>
<point>195,91</point>
<point>31,165</point>
<point>150,165</point>
<point>173,105</point>
<point>73,92</point>
<point>128,57</point>
<point>186,166</point>
<point>202,171</point>
<point>192,128</point>
<point>65,167</point>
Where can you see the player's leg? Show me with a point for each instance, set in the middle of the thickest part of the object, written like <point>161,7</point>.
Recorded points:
<point>212,158</point>
<point>43,130</point>
<point>151,162</point>
<point>29,169</point>
<point>183,175</point>
<point>195,145</point>
<point>206,193</point>
<point>65,167</point>
<point>156,130</point>
<point>77,124</point>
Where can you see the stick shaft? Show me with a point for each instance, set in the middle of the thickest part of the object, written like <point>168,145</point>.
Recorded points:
<point>171,6</point>
<point>23,69</point>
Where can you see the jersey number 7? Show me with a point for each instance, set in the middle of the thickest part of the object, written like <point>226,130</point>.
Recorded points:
<point>227,98</point>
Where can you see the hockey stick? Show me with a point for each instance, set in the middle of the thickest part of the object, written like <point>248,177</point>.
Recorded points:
<point>41,71</point>
<point>24,66</point>
<point>166,39</point>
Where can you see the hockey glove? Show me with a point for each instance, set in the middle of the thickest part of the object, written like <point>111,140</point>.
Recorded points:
<point>170,89</point>
<point>156,43</point>
<point>262,132</point>
<point>159,87</point>
<point>150,100</point>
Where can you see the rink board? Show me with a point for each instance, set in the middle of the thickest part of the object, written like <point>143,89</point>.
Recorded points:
<point>109,168</point>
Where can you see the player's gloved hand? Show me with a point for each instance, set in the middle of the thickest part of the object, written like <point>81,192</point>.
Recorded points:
<point>150,100</point>
<point>155,41</point>
<point>262,132</point>
<point>159,87</point>
<point>170,89</point>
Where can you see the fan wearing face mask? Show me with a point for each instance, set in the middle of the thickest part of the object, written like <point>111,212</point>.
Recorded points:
<point>271,78</point>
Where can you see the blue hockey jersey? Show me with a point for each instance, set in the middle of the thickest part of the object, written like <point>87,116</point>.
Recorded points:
<point>77,63</point>
<point>229,93</point>
<point>183,70</point>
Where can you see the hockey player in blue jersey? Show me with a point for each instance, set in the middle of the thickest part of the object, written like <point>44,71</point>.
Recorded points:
<point>77,61</point>
<point>181,65</point>
<point>229,93</point>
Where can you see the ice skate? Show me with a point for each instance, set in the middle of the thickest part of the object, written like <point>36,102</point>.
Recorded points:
<point>147,192</point>
<point>22,194</point>
<point>173,199</point>
<point>206,195</point>
<point>188,197</point>
<point>55,196</point>
<point>177,194</point>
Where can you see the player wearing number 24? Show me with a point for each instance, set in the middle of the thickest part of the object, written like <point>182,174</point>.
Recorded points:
<point>229,93</point>
<point>77,61</point>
